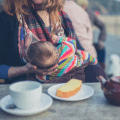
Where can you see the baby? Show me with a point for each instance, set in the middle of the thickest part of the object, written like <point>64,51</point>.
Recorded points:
<point>45,55</point>
<point>42,54</point>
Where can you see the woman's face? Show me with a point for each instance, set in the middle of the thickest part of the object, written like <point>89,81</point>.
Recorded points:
<point>38,1</point>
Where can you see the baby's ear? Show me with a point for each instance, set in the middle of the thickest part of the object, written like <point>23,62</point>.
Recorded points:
<point>27,56</point>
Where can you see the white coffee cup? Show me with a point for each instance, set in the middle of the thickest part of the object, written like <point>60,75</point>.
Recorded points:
<point>26,94</point>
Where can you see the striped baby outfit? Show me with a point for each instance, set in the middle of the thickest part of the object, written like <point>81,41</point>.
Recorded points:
<point>68,58</point>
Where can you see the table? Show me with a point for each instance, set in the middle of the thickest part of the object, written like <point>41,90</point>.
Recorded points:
<point>93,108</point>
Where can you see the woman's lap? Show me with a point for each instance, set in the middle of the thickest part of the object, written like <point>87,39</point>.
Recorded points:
<point>86,73</point>
<point>92,71</point>
<point>75,73</point>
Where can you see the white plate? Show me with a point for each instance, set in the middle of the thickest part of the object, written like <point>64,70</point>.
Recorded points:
<point>45,103</point>
<point>84,93</point>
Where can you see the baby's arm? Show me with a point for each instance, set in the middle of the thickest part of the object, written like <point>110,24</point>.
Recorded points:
<point>85,56</point>
<point>60,39</point>
<point>71,43</point>
<point>66,49</point>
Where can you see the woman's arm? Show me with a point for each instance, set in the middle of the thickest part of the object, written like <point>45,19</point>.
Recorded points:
<point>17,71</point>
<point>29,68</point>
<point>9,72</point>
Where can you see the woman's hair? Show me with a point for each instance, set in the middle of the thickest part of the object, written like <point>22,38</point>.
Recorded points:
<point>16,7</point>
<point>43,54</point>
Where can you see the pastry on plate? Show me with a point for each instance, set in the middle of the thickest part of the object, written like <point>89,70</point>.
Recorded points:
<point>69,89</point>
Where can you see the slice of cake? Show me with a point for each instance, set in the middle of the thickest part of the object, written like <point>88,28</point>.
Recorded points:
<point>69,89</point>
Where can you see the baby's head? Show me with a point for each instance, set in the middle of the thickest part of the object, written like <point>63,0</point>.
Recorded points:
<point>43,54</point>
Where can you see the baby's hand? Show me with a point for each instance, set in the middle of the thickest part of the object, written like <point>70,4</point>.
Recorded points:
<point>54,37</point>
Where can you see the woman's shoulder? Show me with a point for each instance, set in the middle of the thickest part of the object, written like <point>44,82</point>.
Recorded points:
<point>3,13</point>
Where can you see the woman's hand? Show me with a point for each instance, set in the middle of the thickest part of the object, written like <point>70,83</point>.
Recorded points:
<point>29,68</point>
<point>33,69</point>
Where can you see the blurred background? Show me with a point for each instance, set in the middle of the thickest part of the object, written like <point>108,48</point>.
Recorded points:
<point>108,11</point>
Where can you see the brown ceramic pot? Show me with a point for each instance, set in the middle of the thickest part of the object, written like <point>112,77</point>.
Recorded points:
<point>111,89</point>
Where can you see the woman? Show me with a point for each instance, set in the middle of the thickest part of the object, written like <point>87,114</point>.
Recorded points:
<point>22,21</point>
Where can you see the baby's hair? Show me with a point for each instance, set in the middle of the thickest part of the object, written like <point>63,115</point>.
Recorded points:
<point>43,54</point>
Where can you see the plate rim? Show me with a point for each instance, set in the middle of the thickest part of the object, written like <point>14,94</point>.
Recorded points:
<point>26,112</point>
<point>68,99</point>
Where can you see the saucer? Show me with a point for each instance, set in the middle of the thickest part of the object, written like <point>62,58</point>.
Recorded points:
<point>45,103</point>
<point>84,93</point>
